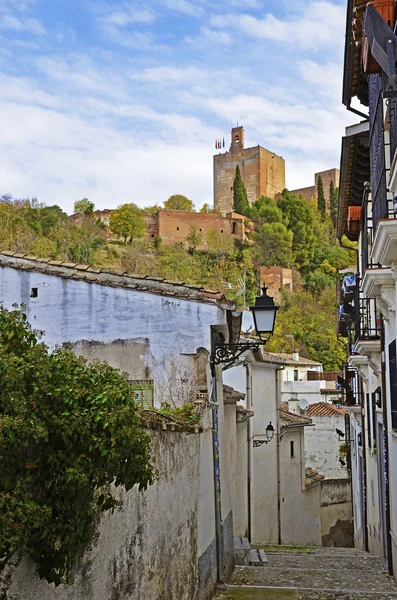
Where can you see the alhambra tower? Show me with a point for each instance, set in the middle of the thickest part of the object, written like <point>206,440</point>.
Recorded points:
<point>262,171</point>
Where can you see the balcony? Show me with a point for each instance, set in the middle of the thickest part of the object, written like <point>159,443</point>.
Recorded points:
<point>384,249</point>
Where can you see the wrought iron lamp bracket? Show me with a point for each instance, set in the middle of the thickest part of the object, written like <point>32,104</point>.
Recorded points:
<point>227,354</point>
<point>258,443</point>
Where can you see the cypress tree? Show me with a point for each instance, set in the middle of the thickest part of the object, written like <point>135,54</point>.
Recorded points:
<point>333,202</point>
<point>320,197</point>
<point>240,199</point>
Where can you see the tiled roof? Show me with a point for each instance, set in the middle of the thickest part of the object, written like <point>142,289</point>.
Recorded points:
<point>289,359</point>
<point>323,409</point>
<point>288,419</point>
<point>312,476</point>
<point>108,277</point>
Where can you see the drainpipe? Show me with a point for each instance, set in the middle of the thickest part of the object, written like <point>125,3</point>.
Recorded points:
<point>217,480</point>
<point>249,453</point>
<point>278,452</point>
<point>386,443</point>
<point>364,446</point>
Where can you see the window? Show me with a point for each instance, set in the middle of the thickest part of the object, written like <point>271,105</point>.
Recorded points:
<point>143,392</point>
<point>221,230</point>
<point>200,229</point>
<point>177,228</point>
<point>34,293</point>
<point>152,234</point>
<point>292,449</point>
<point>393,382</point>
<point>296,375</point>
<point>234,228</point>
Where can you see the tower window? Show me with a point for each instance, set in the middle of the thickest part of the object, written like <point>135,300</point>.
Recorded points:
<point>292,449</point>
<point>177,228</point>
<point>221,230</point>
<point>34,293</point>
<point>152,234</point>
<point>237,138</point>
<point>200,229</point>
<point>234,228</point>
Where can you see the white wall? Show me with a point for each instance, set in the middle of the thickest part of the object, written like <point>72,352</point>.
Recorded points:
<point>300,507</point>
<point>322,445</point>
<point>149,548</point>
<point>81,313</point>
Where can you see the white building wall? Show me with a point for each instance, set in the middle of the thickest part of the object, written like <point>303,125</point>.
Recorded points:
<point>147,332</point>
<point>300,507</point>
<point>322,445</point>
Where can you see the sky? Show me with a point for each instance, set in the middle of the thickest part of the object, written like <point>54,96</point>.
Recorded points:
<point>122,101</point>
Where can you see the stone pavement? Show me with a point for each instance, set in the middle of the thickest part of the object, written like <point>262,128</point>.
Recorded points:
<point>312,574</point>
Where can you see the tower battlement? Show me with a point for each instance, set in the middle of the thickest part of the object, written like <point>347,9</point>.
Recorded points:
<point>262,171</point>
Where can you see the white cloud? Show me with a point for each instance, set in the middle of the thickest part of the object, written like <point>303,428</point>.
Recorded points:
<point>33,26</point>
<point>317,25</point>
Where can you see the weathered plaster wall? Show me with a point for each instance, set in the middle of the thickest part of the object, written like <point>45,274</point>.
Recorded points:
<point>336,513</point>
<point>207,549</point>
<point>149,549</point>
<point>226,500</point>
<point>322,445</point>
<point>300,506</point>
<point>237,453</point>
<point>154,329</point>
<point>264,400</point>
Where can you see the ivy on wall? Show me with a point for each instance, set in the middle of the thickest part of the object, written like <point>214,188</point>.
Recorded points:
<point>70,433</point>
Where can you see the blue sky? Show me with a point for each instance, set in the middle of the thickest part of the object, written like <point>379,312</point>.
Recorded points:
<point>122,101</point>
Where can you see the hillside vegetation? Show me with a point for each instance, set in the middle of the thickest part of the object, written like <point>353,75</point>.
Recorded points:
<point>291,233</point>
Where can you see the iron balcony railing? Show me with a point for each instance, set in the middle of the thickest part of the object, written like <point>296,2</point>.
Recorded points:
<point>382,202</point>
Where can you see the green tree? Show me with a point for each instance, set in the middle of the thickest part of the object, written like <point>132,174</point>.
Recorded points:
<point>84,206</point>
<point>128,221</point>
<point>264,210</point>
<point>194,238</point>
<point>320,197</point>
<point>299,219</point>
<point>311,321</point>
<point>69,434</point>
<point>240,199</point>
<point>179,202</point>
<point>333,202</point>
<point>273,245</point>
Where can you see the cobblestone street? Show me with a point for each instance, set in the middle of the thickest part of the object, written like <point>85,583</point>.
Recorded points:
<point>312,574</point>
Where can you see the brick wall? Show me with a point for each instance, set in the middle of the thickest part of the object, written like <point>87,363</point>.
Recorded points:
<point>276,278</point>
<point>262,171</point>
<point>307,192</point>
<point>174,225</point>
<point>327,177</point>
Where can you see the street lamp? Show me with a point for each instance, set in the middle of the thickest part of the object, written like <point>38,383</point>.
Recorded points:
<point>269,436</point>
<point>264,313</point>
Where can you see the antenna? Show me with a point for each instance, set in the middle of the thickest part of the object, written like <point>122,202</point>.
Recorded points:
<point>303,404</point>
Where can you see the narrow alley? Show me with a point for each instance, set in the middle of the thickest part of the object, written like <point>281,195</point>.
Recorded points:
<point>312,574</point>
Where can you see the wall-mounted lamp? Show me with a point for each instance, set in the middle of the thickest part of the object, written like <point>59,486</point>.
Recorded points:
<point>340,434</point>
<point>378,397</point>
<point>269,436</point>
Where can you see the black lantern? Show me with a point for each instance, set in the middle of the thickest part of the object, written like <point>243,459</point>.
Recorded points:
<point>269,436</point>
<point>264,313</point>
<point>270,432</point>
<point>378,397</point>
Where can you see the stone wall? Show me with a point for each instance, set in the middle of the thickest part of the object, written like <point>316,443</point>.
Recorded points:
<point>307,192</point>
<point>327,177</point>
<point>173,226</point>
<point>149,549</point>
<point>336,513</point>
<point>262,171</point>
<point>322,445</point>
<point>276,278</point>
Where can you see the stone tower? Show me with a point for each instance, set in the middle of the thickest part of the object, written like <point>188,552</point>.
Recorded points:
<point>262,171</point>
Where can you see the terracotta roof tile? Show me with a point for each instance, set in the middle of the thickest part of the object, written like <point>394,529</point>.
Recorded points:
<point>312,476</point>
<point>112,278</point>
<point>323,409</point>
<point>289,419</point>
<point>288,358</point>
